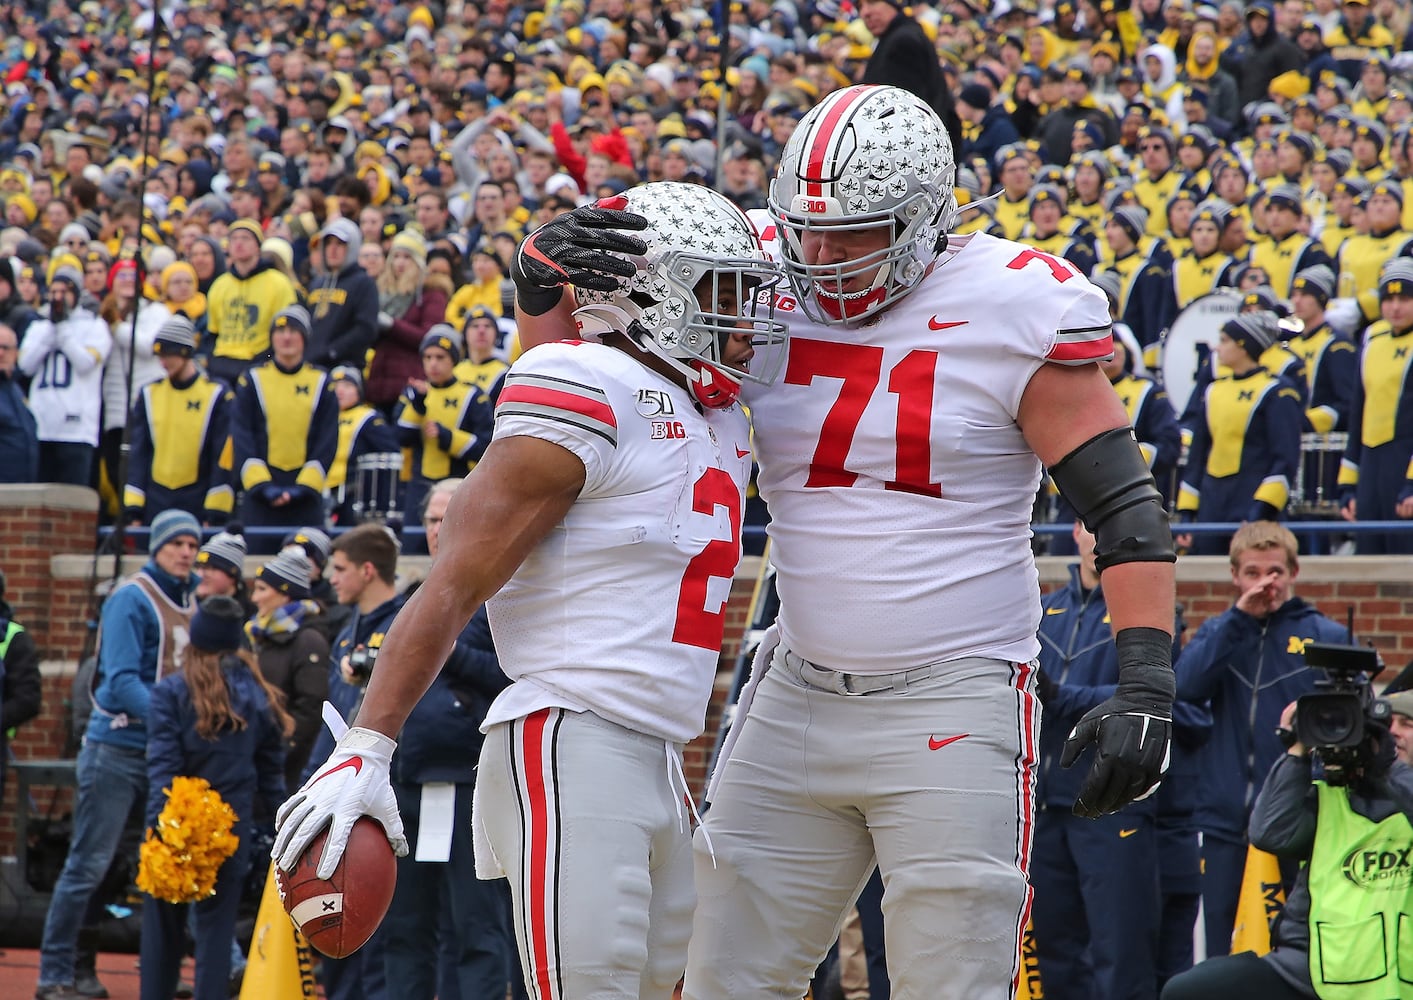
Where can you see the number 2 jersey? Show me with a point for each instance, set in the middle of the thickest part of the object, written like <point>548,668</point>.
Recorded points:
<point>899,484</point>
<point>620,610</point>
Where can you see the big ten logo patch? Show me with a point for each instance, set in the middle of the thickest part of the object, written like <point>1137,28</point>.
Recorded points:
<point>668,430</point>
<point>1383,865</point>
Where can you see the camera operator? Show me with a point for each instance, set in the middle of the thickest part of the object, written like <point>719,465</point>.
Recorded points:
<point>1354,891</point>
<point>363,571</point>
<point>1401,724</point>
<point>1248,662</point>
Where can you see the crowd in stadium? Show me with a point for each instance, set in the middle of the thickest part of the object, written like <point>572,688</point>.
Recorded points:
<point>255,268</point>
<point>365,173</point>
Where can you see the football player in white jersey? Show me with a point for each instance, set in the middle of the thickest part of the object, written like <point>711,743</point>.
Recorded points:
<point>928,379</point>
<point>603,529</point>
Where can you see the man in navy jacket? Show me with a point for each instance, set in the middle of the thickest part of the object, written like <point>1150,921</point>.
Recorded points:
<point>19,435</point>
<point>435,768</point>
<point>1249,663</point>
<point>1097,882</point>
<point>363,570</point>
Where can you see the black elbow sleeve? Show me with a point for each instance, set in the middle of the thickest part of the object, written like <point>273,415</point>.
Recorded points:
<point>1108,483</point>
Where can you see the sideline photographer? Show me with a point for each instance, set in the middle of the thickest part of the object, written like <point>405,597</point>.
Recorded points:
<point>1352,827</point>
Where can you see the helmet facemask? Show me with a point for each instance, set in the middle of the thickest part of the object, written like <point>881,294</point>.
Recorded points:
<point>660,310</point>
<point>915,236</point>
<point>867,158</point>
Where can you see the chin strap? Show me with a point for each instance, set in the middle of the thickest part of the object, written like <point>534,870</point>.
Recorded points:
<point>712,387</point>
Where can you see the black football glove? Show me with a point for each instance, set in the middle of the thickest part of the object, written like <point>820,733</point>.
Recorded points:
<point>1131,730</point>
<point>578,248</point>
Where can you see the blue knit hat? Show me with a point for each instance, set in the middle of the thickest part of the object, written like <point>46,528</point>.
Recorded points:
<point>169,526</point>
<point>218,625</point>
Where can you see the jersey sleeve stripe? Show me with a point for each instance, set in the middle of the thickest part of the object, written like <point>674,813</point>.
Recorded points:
<point>535,411</point>
<point>553,382</point>
<point>580,408</point>
<point>1081,346</point>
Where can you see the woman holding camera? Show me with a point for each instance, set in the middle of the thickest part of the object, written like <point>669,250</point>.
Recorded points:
<point>292,652</point>
<point>1342,934</point>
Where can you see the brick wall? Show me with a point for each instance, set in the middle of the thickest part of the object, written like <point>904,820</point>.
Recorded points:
<point>45,541</point>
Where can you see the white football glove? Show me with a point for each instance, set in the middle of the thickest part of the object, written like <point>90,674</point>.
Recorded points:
<point>352,783</point>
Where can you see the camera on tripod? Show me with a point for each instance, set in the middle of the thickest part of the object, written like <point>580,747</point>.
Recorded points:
<point>1332,721</point>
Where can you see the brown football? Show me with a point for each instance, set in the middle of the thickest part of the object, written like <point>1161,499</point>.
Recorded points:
<point>339,914</point>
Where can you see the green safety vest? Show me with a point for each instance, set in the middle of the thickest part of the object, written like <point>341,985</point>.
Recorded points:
<point>1361,903</point>
<point>11,630</point>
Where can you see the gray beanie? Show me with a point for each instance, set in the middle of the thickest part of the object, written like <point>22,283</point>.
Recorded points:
<point>1133,219</point>
<point>347,373</point>
<point>296,318</point>
<point>1254,331</point>
<point>225,551</point>
<point>73,231</point>
<point>1319,281</point>
<point>444,336</point>
<point>70,274</point>
<point>179,335</point>
<point>1396,278</point>
<point>1287,195</point>
<point>1110,283</point>
<point>289,573</point>
<point>315,543</point>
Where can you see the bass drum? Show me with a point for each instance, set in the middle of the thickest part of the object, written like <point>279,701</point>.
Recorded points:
<point>1191,341</point>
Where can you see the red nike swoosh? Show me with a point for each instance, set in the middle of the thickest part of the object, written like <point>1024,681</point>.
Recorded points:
<point>933,324</point>
<point>354,762</point>
<point>933,743</point>
<point>742,453</point>
<point>529,249</point>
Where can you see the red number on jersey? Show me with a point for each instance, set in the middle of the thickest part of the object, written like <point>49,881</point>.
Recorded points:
<point>1059,270</point>
<point>911,380</point>
<point>696,626</point>
<point>860,368</point>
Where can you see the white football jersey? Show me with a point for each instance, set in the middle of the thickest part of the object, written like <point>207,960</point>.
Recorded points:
<point>899,484</point>
<point>620,610</point>
<point>66,364</point>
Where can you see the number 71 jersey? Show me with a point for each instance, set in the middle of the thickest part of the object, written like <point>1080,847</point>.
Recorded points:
<point>899,483</point>
<point>621,609</point>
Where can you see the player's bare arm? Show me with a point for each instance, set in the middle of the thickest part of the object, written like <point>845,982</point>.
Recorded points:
<point>518,492</point>
<point>556,324</point>
<point>1078,428</point>
<point>1062,408</point>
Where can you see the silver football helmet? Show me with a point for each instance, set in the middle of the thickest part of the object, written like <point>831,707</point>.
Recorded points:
<point>866,158</point>
<point>694,235</point>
